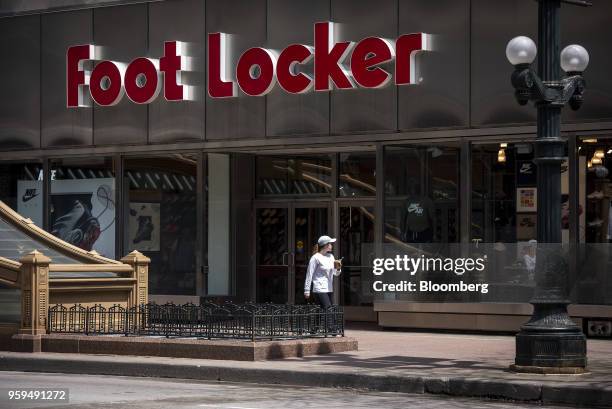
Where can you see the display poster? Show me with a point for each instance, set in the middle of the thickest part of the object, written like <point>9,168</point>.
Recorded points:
<point>526,226</point>
<point>526,173</point>
<point>82,212</point>
<point>30,200</point>
<point>526,199</point>
<point>144,226</point>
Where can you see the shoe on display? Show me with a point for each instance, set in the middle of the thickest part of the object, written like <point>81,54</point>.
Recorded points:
<point>595,195</point>
<point>73,221</point>
<point>595,223</point>
<point>145,229</point>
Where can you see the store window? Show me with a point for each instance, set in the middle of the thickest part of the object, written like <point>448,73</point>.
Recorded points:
<point>82,202</point>
<point>504,193</point>
<point>595,197</point>
<point>421,194</point>
<point>295,175</point>
<point>161,219</point>
<point>21,189</point>
<point>594,161</point>
<point>357,175</point>
<point>504,206</point>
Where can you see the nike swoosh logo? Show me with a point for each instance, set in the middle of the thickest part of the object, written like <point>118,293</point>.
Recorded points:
<point>28,198</point>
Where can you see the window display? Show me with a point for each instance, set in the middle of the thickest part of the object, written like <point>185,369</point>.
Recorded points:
<point>504,193</point>
<point>161,219</point>
<point>82,203</point>
<point>421,194</point>
<point>597,153</point>
<point>21,189</point>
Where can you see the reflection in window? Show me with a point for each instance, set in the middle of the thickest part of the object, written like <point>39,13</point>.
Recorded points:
<point>421,194</point>
<point>594,162</point>
<point>82,203</point>
<point>594,216</point>
<point>15,244</point>
<point>21,189</point>
<point>272,255</point>
<point>162,222</point>
<point>357,175</point>
<point>504,207</point>
<point>357,247</point>
<point>302,176</point>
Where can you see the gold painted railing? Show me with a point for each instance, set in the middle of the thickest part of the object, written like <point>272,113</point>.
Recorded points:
<point>127,286</point>
<point>90,278</point>
<point>9,273</point>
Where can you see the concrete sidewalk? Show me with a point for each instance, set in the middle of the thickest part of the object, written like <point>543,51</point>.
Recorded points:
<point>460,365</point>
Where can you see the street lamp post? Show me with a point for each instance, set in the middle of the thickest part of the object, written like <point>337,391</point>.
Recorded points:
<point>550,342</point>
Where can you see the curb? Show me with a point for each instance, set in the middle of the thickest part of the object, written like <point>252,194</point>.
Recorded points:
<point>528,391</point>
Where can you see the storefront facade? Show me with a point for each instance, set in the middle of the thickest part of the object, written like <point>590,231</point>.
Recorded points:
<point>227,195</point>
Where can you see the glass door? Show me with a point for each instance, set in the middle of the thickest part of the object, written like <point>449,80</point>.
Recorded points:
<point>309,224</point>
<point>356,246</point>
<point>285,235</point>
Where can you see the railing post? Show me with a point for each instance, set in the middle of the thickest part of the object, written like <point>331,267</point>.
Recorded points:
<point>140,271</point>
<point>253,323</point>
<point>86,321</point>
<point>325,311</point>
<point>34,283</point>
<point>126,322</point>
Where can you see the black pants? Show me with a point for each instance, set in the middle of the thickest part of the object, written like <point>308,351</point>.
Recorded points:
<point>324,299</point>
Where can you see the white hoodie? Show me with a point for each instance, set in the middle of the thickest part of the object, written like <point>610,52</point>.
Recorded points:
<point>321,272</point>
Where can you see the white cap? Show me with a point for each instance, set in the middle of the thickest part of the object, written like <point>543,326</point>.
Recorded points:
<point>323,240</point>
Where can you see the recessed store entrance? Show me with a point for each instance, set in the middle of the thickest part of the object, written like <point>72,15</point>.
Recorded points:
<point>299,198</point>
<point>285,234</point>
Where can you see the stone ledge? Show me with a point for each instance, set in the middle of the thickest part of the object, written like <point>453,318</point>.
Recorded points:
<point>234,350</point>
<point>26,343</point>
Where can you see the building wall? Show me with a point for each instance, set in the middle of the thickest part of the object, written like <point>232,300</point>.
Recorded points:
<point>466,80</point>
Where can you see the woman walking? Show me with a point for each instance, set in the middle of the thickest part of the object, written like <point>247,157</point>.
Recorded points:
<point>321,271</point>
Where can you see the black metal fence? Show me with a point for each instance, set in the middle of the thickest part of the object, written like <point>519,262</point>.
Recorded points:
<point>207,320</point>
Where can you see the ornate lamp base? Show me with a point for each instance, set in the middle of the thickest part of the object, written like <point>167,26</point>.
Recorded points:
<point>550,343</point>
<point>546,370</point>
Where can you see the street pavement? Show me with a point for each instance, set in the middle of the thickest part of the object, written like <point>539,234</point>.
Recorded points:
<point>387,361</point>
<point>95,391</point>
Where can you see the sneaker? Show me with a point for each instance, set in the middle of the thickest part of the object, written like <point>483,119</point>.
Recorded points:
<point>595,195</point>
<point>145,229</point>
<point>595,223</point>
